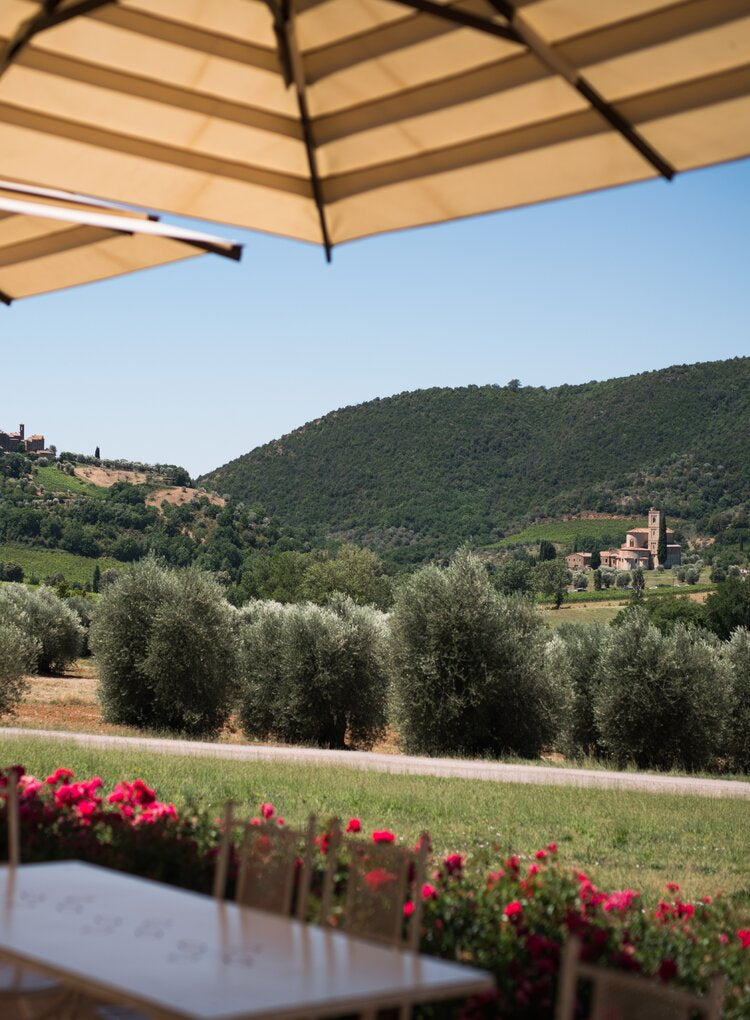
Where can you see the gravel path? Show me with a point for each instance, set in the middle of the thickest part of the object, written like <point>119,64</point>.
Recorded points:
<point>369,761</point>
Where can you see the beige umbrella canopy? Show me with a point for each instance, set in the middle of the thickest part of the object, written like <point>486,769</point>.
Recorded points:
<point>50,240</point>
<point>328,120</point>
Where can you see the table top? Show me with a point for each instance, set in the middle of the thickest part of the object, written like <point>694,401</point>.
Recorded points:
<point>191,956</point>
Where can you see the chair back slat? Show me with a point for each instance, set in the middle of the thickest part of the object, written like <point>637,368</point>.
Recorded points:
<point>222,861</point>
<point>616,995</point>
<point>415,920</point>
<point>329,876</point>
<point>13,817</point>
<point>305,875</point>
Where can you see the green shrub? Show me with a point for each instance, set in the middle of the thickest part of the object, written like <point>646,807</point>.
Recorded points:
<point>313,674</point>
<point>662,699</point>
<point>165,643</point>
<point>574,654</point>
<point>84,609</point>
<point>737,652</point>
<point>469,671</point>
<point>47,620</point>
<point>666,612</point>
<point>729,607</point>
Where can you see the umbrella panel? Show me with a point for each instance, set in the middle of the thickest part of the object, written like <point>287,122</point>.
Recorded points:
<point>353,117</point>
<point>50,241</point>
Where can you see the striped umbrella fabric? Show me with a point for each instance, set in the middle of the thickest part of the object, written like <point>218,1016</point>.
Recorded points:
<point>330,120</point>
<point>50,240</point>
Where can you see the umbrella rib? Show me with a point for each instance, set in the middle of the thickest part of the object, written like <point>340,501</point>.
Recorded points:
<point>5,299</point>
<point>291,64</point>
<point>47,18</point>
<point>559,65</point>
<point>463,18</point>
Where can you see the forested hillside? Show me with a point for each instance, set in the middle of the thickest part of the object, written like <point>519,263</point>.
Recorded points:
<point>416,474</point>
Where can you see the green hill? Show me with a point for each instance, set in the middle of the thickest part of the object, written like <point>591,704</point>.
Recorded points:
<point>55,523</point>
<point>416,474</point>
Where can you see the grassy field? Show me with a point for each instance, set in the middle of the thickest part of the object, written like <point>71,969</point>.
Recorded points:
<point>624,839</point>
<point>57,481</point>
<point>657,586</point>
<point>580,614</point>
<point>564,532</point>
<point>43,563</point>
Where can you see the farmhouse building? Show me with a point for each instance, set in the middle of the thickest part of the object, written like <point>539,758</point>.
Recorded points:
<point>579,560</point>
<point>640,548</point>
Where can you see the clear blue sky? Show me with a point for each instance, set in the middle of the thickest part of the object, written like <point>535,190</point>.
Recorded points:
<point>199,362</point>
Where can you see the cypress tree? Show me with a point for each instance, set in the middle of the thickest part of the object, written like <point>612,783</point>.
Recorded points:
<point>96,578</point>
<point>661,549</point>
<point>547,550</point>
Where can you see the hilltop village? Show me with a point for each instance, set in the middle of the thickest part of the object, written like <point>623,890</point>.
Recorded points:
<point>18,442</point>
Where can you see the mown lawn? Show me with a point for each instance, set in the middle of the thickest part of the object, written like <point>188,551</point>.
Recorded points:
<point>641,840</point>
<point>43,563</point>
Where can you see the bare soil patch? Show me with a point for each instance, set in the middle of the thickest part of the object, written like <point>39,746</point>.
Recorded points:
<point>107,476</point>
<point>179,495</point>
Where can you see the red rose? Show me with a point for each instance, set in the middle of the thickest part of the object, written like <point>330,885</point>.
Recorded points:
<point>454,864</point>
<point>383,836</point>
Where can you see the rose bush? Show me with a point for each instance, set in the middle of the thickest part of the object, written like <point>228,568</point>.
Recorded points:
<point>512,922</point>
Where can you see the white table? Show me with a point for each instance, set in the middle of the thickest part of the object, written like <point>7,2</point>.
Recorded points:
<point>184,955</point>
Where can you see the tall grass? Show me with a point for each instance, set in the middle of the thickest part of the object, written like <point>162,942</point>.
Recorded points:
<point>623,838</point>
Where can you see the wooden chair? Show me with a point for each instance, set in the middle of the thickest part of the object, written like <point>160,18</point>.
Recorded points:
<point>379,884</point>
<point>274,865</point>
<point>616,995</point>
<point>23,993</point>
<point>382,878</point>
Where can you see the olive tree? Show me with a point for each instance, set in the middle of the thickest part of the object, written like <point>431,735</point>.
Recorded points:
<point>313,674</point>
<point>662,699</point>
<point>18,656</point>
<point>47,620</point>
<point>574,653</point>
<point>737,654</point>
<point>166,646</point>
<point>468,664</point>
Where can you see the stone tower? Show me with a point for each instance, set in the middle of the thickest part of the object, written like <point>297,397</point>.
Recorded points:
<point>654,523</point>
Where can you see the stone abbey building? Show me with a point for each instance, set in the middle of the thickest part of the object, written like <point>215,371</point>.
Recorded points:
<point>640,549</point>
